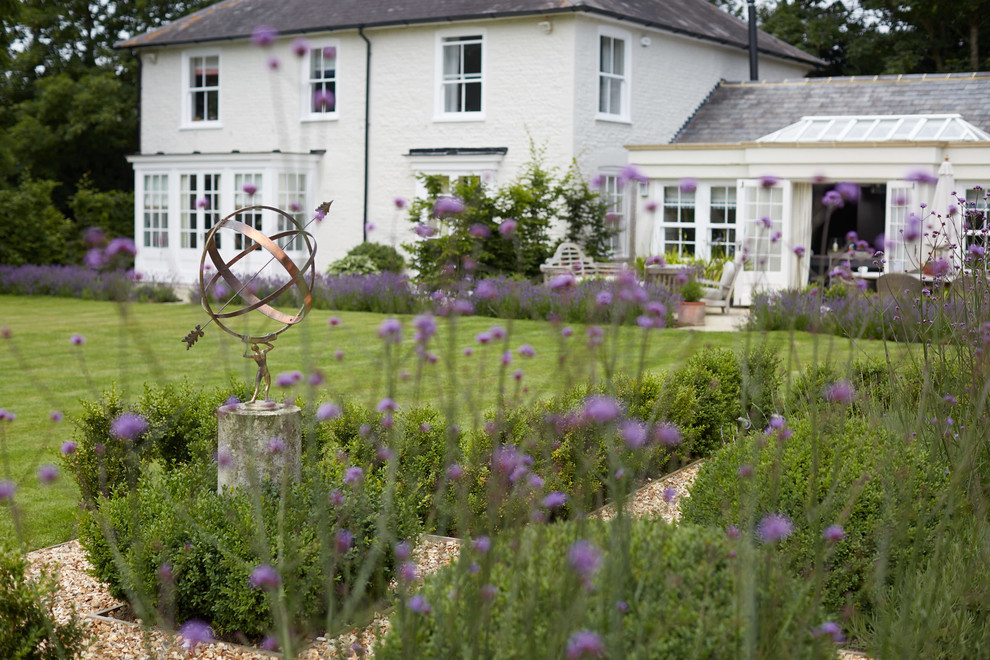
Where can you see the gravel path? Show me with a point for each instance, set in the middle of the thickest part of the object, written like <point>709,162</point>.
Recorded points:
<point>120,640</point>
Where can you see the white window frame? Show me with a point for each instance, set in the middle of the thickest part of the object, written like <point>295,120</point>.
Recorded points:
<point>306,91</point>
<point>154,211</point>
<point>680,204</point>
<point>443,38</point>
<point>615,198</point>
<point>900,255</point>
<point>187,120</point>
<point>624,79</point>
<point>196,222</point>
<point>289,194</point>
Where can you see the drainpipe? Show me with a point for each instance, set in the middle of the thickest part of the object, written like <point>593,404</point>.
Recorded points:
<point>140,65</point>
<point>753,64</point>
<point>367,123</point>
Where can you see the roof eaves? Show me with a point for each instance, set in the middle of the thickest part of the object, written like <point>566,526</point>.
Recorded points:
<point>146,40</point>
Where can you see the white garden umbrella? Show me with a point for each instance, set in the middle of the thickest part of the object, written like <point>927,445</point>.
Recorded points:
<point>943,219</point>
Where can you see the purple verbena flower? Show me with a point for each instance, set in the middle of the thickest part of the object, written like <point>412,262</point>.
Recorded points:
<point>454,472</point>
<point>445,206</point>
<point>47,473</point>
<point>774,527</point>
<point>343,540</point>
<point>840,392</point>
<point>118,245</point>
<point>300,46</point>
<point>768,181</point>
<point>920,175</point>
<point>585,644</point>
<point>7,490</point>
<point>485,290</point>
<point>688,184</point>
<point>669,494</point>
<point>507,228</point>
<point>194,632</point>
<point>324,100</point>
<point>562,282</point>
<point>418,605</point>
<point>353,475</point>
<point>667,434</point>
<point>482,544</point>
<point>327,411</point>
<point>68,448</point>
<point>600,409</point>
<point>128,426</point>
<point>554,500</point>
<point>633,433</point>
<point>479,230</point>
<point>390,330</point>
<point>264,35</point>
<point>834,533</point>
<point>833,199</point>
<point>264,576</point>
<point>77,340</point>
<point>276,445</point>
<point>584,558</point>
<point>526,350</point>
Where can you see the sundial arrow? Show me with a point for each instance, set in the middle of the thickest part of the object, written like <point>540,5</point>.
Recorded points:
<point>321,212</point>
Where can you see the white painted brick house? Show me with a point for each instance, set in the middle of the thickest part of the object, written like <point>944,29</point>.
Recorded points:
<point>455,87</point>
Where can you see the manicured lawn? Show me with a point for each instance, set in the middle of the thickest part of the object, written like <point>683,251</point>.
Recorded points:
<point>139,343</point>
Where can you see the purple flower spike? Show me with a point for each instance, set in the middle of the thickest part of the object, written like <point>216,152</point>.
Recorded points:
<point>47,473</point>
<point>56,416</point>
<point>327,411</point>
<point>834,533</point>
<point>68,448</point>
<point>128,426</point>
<point>667,434</point>
<point>775,527</point>
<point>840,392</point>
<point>418,605</point>
<point>799,251</point>
<point>850,191</point>
<point>118,245</point>
<point>386,405</point>
<point>479,230</point>
<point>833,199</point>
<point>585,644</point>
<point>688,185</point>
<point>344,540</point>
<point>482,544</point>
<point>7,490</point>
<point>584,558</point>
<point>768,181</point>
<point>507,228</point>
<point>448,206</point>
<point>77,340</point>
<point>263,35</point>
<point>300,47</point>
<point>390,330</point>
<point>554,500</point>
<point>194,632</point>
<point>455,472</point>
<point>562,282</point>
<point>399,202</point>
<point>669,494</point>
<point>633,433</point>
<point>323,100</point>
<point>353,475</point>
<point>600,409</point>
<point>264,576</point>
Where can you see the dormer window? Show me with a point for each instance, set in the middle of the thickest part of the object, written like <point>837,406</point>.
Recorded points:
<point>202,98</point>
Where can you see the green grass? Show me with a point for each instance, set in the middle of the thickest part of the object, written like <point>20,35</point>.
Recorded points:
<point>138,343</point>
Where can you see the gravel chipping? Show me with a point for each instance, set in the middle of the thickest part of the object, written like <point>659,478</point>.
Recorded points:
<point>120,640</point>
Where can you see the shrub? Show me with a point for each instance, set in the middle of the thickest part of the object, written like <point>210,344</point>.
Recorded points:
<point>353,265</point>
<point>712,381</point>
<point>660,592</point>
<point>212,542</point>
<point>832,470</point>
<point>384,257</point>
<point>27,620</point>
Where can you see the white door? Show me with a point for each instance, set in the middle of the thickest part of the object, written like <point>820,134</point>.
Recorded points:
<point>764,217</point>
<point>902,254</point>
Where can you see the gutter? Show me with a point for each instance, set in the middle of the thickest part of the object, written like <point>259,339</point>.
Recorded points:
<point>367,125</point>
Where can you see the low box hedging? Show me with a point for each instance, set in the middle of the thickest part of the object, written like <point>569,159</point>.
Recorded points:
<point>639,589</point>
<point>822,471</point>
<point>175,546</point>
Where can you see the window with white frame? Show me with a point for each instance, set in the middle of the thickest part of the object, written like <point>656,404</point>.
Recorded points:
<point>615,216</point>
<point>462,74</point>
<point>321,82</point>
<point>291,198</point>
<point>613,74</point>
<point>901,254</point>
<point>976,219</point>
<point>763,228</point>
<point>722,222</point>
<point>155,210</point>
<point>199,200</point>
<point>679,221</point>
<point>247,192</point>
<point>203,89</point>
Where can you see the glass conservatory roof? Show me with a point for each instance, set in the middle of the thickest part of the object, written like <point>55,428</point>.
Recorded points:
<point>878,128</point>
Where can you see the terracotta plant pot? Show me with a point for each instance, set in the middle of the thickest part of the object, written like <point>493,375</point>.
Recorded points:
<point>691,313</point>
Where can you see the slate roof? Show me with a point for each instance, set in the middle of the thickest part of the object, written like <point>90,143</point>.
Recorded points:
<point>746,111</point>
<point>235,19</point>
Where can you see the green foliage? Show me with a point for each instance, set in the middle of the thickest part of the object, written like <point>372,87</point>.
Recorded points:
<point>384,257</point>
<point>353,265</point>
<point>691,291</point>
<point>182,427</point>
<point>35,232</point>
<point>680,587</point>
<point>112,211</point>
<point>711,382</point>
<point>535,199</point>
<point>212,542</point>
<point>832,470</point>
<point>28,628</point>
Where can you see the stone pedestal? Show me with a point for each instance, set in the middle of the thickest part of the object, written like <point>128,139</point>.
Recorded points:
<point>258,442</point>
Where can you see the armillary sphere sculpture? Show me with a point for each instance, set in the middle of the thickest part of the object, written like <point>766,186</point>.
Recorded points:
<point>257,346</point>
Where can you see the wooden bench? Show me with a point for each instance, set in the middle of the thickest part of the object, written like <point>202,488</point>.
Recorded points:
<point>569,258</point>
